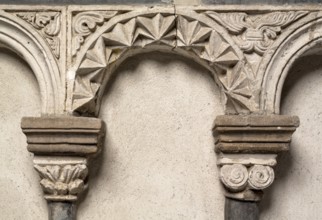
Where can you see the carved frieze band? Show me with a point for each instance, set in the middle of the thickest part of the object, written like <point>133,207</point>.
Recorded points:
<point>256,33</point>
<point>234,46</point>
<point>47,23</point>
<point>220,41</point>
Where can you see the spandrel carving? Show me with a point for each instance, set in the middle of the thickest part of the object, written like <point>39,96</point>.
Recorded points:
<point>173,33</point>
<point>48,24</point>
<point>256,33</point>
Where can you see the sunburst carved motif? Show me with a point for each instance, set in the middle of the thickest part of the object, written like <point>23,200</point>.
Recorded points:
<point>169,31</point>
<point>237,89</point>
<point>137,32</point>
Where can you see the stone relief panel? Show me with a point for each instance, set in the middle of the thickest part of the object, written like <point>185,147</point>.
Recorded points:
<point>236,47</point>
<point>36,35</point>
<point>74,51</point>
<point>256,33</point>
<point>140,31</point>
<point>48,24</point>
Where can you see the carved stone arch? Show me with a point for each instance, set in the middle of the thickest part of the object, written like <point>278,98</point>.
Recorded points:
<point>30,46</point>
<point>302,38</point>
<point>126,33</point>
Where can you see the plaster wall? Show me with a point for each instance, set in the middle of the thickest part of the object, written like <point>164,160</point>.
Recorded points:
<point>295,193</point>
<point>20,192</point>
<point>158,161</point>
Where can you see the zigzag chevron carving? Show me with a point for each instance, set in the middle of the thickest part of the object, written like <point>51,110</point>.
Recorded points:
<point>237,47</point>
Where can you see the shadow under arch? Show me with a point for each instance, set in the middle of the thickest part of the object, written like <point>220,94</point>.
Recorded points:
<point>32,48</point>
<point>303,39</point>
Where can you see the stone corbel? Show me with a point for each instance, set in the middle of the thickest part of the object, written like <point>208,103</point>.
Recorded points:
<point>62,148</point>
<point>247,147</point>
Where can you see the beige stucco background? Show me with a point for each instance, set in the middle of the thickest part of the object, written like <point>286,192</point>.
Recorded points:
<point>158,160</point>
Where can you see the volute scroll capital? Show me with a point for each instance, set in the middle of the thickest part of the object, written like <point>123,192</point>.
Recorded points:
<point>247,147</point>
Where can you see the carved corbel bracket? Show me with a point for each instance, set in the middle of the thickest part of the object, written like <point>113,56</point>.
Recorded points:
<point>247,147</point>
<point>62,147</point>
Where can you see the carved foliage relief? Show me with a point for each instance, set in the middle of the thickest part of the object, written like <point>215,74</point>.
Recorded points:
<point>225,55</point>
<point>256,33</point>
<point>231,45</point>
<point>62,182</point>
<point>48,24</point>
<point>164,30</point>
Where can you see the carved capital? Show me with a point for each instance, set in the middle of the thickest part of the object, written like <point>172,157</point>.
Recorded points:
<point>247,147</point>
<point>62,147</point>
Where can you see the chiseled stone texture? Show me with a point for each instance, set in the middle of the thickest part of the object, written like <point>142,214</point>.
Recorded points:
<point>242,2</point>
<point>158,161</point>
<point>296,190</point>
<point>248,2</point>
<point>20,192</point>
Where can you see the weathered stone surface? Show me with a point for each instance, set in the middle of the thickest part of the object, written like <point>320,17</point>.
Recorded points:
<point>63,135</point>
<point>260,2</point>
<point>61,211</point>
<point>237,47</point>
<point>254,134</point>
<point>247,147</point>
<point>61,146</point>
<point>74,52</point>
<point>235,209</point>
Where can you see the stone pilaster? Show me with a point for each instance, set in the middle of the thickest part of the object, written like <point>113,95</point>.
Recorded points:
<point>62,147</point>
<point>247,147</point>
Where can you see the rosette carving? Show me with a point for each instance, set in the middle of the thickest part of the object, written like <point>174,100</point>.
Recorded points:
<point>234,176</point>
<point>260,177</point>
<point>62,182</point>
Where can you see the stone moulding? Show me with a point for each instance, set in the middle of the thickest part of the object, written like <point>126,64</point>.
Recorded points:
<point>237,47</point>
<point>62,147</point>
<point>25,41</point>
<point>74,50</point>
<point>247,147</point>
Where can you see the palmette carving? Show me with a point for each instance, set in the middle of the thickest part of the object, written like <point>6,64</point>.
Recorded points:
<point>48,24</point>
<point>85,23</point>
<point>256,33</point>
<point>62,182</point>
